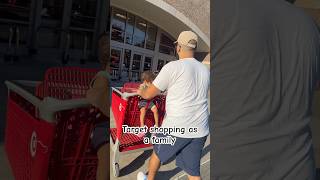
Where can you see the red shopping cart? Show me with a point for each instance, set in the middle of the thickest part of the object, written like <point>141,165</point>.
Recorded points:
<point>126,112</point>
<point>49,125</point>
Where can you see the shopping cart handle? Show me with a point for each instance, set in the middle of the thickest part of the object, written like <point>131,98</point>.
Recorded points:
<point>48,106</point>
<point>55,105</point>
<point>51,105</point>
<point>28,83</point>
<point>25,94</point>
<point>124,95</point>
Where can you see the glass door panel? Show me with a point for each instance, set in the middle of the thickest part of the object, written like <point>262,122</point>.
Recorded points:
<point>147,65</point>
<point>115,62</point>
<point>161,63</point>
<point>126,65</point>
<point>136,67</point>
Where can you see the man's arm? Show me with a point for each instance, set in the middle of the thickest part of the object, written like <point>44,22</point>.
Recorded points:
<point>149,92</point>
<point>161,83</point>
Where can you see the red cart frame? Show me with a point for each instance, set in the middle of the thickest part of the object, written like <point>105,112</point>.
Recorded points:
<point>49,125</point>
<point>126,112</point>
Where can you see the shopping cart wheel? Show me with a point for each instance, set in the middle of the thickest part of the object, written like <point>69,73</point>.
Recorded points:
<point>116,170</point>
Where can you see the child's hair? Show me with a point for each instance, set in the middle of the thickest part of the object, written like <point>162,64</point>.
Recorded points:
<point>147,76</point>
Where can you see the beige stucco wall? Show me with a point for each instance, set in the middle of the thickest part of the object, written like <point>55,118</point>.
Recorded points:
<point>172,16</point>
<point>198,11</point>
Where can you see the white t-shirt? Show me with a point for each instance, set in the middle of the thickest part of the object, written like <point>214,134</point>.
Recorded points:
<point>187,84</point>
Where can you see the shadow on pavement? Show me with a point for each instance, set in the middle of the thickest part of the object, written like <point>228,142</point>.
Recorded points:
<point>136,163</point>
<point>141,160</point>
<point>167,174</point>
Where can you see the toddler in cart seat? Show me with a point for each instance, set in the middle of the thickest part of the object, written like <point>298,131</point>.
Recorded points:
<point>147,78</point>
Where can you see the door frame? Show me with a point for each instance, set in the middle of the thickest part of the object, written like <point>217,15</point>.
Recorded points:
<point>120,61</point>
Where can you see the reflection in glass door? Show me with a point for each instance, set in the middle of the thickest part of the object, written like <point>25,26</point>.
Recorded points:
<point>115,62</point>
<point>135,67</point>
<point>161,63</point>
<point>126,65</point>
<point>147,64</point>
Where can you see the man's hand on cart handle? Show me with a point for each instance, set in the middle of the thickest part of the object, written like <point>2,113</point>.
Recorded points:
<point>149,92</point>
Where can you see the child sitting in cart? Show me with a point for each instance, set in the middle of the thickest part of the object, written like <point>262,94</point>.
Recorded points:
<point>147,78</point>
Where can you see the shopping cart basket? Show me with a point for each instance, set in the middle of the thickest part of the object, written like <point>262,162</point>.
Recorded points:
<point>126,112</point>
<point>49,125</point>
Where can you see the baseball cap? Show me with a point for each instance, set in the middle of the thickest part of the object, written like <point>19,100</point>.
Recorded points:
<point>187,38</point>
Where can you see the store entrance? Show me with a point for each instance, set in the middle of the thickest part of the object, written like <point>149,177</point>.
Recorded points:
<point>127,65</point>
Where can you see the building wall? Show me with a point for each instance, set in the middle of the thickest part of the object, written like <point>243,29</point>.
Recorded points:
<point>198,11</point>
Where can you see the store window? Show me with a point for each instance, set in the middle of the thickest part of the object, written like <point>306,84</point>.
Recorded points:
<point>136,61</point>
<point>115,58</point>
<point>151,36</point>
<point>17,10</point>
<point>129,29</point>
<point>126,60</point>
<point>147,63</point>
<point>80,40</point>
<point>166,45</point>
<point>161,63</point>
<point>83,13</point>
<point>118,24</point>
<point>140,32</point>
<point>52,10</point>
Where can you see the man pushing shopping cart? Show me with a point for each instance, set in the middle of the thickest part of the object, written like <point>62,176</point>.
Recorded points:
<point>187,83</point>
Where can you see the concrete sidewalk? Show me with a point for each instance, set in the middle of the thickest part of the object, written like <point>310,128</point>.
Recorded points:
<point>131,164</point>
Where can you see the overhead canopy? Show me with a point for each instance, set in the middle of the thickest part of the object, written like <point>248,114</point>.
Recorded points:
<point>164,16</point>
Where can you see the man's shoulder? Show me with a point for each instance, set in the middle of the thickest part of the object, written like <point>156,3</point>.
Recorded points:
<point>201,65</point>
<point>171,65</point>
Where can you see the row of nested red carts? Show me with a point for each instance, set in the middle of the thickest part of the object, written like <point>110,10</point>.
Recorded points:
<point>49,126</point>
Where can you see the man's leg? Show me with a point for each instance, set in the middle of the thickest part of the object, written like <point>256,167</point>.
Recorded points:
<point>154,165</point>
<point>162,153</point>
<point>189,158</point>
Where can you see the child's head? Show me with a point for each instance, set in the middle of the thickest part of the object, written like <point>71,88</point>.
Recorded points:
<point>147,76</point>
